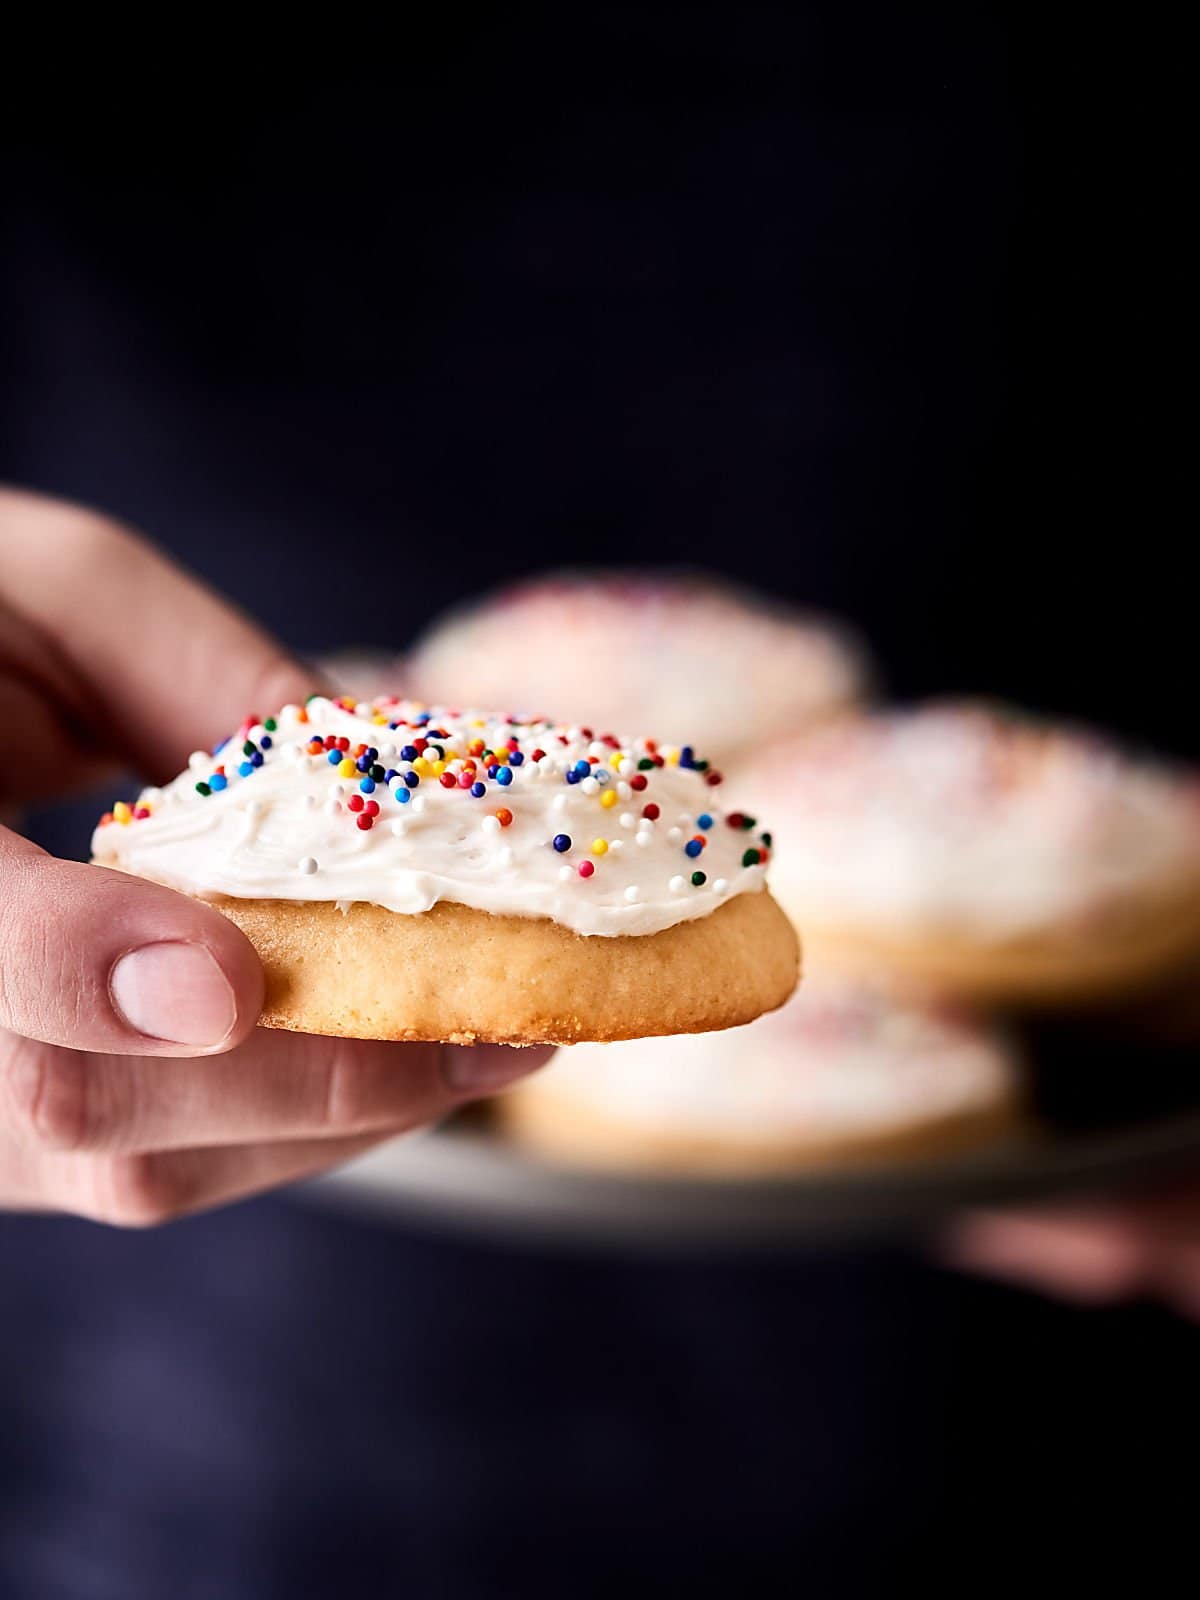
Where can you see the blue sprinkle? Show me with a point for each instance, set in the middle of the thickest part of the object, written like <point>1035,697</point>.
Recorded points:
<point>367,785</point>
<point>372,753</point>
<point>411,779</point>
<point>424,720</point>
<point>400,793</point>
<point>217,748</point>
<point>409,753</point>
<point>493,770</point>
<point>362,763</point>
<point>256,759</point>
<point>479,790</point>
<point>244,769</point>
<point>334,758</point>
<point>572,776</point>
<point>562,842</point>
<point>687,756</point>
<point>582,768</point>
<point>218,781</point>
<point>265,741</point>
<point>692,848</point>
<point>504,777</point>
<point>389,775</point>
<point>516,759</point>
<point>704,820</point>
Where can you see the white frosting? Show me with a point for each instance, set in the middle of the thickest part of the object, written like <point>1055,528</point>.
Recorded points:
<point>686,655</point>
<point>287,831</point>
<point>838,1060</point>
<point>955,820</point>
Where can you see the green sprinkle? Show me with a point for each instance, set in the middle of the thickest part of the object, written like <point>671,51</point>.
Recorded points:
<point>645,764</point>
<point>270,724</point>
<point>203,788</point>
<point>698,878</point>
<point>249,748</point>
<point>750,858</point>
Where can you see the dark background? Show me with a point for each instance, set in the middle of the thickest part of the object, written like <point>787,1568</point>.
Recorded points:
<point>873,307</point>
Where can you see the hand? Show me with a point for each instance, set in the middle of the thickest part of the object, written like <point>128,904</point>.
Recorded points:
<point>1144,1244</point>
<point>134,1085</point>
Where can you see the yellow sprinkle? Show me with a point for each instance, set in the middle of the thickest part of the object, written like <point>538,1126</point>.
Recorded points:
<point>615,760</point>
<point>437,769</point>
<point>378,720</point>
<point>599,847</point>
<point>608,799</point>
<point>421,767</point>
<point>121,812</point>
<point>671,757</point>
<point>346,768</point>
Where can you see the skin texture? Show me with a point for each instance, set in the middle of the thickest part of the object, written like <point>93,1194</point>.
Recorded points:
<point>460,974</point>
<point>134,1083</point>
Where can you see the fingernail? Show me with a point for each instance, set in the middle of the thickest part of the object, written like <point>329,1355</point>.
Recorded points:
<point>175,992</point>
<point>483,1068</point>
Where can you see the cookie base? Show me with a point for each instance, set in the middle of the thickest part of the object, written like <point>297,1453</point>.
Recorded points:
<point>462,976</point>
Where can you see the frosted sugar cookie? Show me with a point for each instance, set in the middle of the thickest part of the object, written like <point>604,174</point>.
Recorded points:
<point>984,855</point>
<point>843,1073</point>
<point>688,655</point>
<point>409,873</point>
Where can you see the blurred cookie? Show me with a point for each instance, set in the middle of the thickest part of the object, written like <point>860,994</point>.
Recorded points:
<point>984,855</point>
<point>841,1074</point>
<point>686,655</point>
<point>416,874</point>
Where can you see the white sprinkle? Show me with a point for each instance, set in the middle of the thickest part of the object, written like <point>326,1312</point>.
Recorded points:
<point>417,803</point>
<point>624,792</point>
<point>200,761</point>
<point>589,786</point>
<point>291,752</point>
<point>632,893</point>
<point>332,807</point>
<point>596,748</point>
<point>642,838</point>
<point>560,802</point>
<point>308,866</point>
<point>674,835</point>
<point>720,886</point>
<point>627,819</point>
<point>676,885</point>
<point>565,874</point>
<point>490,824</point>
<point>616,844</point>
<point>289,711</point>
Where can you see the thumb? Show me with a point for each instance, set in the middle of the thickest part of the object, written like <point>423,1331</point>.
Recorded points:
<point>99,960</point>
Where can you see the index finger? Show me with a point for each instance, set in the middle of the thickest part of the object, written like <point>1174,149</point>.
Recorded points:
<point>168,665</point>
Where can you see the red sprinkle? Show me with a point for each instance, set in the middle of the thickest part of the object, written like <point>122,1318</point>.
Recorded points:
<point>712,779</point>
<point>651,811</point>
<point>366,821</point>
<point>586,869</point>
<point>538,755</point>
<point>355,802</point>
<point>448,780</point>
<point>638,781</point>
<point>371,809</point>
<point>504,816</point>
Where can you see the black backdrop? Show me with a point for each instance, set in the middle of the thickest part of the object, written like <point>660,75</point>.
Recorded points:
<point>869,307</point>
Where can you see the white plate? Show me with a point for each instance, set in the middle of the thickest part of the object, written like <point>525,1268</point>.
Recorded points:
<point>465,1176</point>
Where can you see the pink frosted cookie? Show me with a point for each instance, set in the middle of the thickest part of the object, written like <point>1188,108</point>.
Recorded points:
<point>983,854</point>
<point>687,655</point>
<point>842,1073</point>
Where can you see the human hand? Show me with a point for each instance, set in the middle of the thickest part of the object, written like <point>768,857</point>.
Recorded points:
<point>1145,1244</point>
<point>134,1085</point>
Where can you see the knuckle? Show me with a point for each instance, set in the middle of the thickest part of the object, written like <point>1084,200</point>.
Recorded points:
<point>349,1099</point>
<point>135,1192</point>
<point>48,1096</point>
